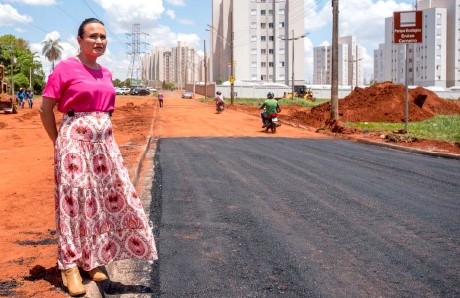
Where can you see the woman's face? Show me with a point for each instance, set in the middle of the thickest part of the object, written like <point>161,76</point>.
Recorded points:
<point>94,40</point>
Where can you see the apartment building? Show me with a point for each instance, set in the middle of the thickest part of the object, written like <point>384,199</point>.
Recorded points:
<point>349,60</point>
<point>179,65</point>
<point>435,61</point>
<point>265,38</point>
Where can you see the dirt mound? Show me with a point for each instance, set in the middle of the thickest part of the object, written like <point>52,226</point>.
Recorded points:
<point>382,102</point>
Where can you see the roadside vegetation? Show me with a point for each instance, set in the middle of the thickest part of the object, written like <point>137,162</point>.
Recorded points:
<point>441,128</point>
<point>283,102</point>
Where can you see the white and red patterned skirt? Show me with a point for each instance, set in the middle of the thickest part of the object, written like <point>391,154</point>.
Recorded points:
<point>99,216</point>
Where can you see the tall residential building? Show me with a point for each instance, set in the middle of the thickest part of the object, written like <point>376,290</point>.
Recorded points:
<point>261,33</point>
<point>179,65</point>
<point>349,60</point>
<point>435,61</point>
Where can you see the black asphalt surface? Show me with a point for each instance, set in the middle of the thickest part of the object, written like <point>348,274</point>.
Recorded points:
<point>277,217</point>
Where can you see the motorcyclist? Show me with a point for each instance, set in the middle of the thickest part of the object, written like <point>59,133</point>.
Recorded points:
<point>219,99</point>
<point>270,106</point>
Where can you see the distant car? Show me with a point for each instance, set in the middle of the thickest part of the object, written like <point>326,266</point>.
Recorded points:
<point>187,94</point>
<point>139,91</point>
<point>151,89</point>
<point>122,90</point>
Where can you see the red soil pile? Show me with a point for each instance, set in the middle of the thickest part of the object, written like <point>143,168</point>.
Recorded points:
<point>382,102</point>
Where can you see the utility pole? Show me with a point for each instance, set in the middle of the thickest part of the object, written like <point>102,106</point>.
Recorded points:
<point>353,67</point>
<point>205,72</point>
<point>292,66</point>
<point>335,61</point>
<point>232,62</point>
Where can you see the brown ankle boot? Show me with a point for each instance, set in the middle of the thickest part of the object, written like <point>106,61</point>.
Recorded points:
<point>72,280</point>
<point>96,274</point>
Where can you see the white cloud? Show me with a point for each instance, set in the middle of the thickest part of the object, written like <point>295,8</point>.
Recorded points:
<point>36,2</point>
<point>177,2</point>
<point>316,17</point>
<point>186,22</point>
<point>123,13</point>
<point>10,16</point>
<point>171,14</point>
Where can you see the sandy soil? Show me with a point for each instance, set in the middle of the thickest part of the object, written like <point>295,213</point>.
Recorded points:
<point>27,232</point>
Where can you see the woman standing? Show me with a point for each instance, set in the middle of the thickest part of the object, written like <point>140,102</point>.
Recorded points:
<point>99,217</point>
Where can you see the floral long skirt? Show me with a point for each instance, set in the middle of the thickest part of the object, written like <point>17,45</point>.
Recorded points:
<point>99,216</point>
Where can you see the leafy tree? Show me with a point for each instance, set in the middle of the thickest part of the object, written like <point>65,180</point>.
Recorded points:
<point>52,50</point>
<point>17,57</point>
<point>117,83</point>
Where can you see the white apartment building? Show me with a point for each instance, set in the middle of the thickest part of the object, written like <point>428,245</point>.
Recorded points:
<point>267,40</point>
<point>179,65</point>
<point>349,60</point>
<point>435,61</point>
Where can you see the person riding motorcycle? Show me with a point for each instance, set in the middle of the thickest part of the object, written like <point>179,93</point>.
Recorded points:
<point>270,106</point>
<point>219,99</point>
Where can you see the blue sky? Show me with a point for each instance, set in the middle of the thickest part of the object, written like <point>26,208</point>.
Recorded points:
<point>167,21</point>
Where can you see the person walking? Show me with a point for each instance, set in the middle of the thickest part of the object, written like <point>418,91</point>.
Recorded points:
<point>21,95</point>
<point>30,98</point>
<point>160,99</point>
<point>99,216</point>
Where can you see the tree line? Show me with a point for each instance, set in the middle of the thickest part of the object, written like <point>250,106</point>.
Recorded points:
<point>23,66</point>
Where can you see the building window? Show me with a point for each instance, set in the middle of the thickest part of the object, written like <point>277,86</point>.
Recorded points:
<point>270,51</point>
<point>254,51</point>
<point>254,64</point>
<point>253,12</point>
<point>281,25</point>
<point>271,38</point>
<point>263,64</point>
<point>263,38</point>
<point>281,64</point>
<point>270,25</point>
<point>262,12</point>
<point>281,11</point>
<point>270,12</point>
<point>271,64</point>
<point>263,51</point>
<point>263,25</point>
<point>253,37</point>
<point>254,25</point>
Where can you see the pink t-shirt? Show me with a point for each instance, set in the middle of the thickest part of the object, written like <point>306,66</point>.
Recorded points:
<point>80,88</point>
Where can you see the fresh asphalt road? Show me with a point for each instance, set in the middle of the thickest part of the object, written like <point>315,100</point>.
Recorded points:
<point>278,217</point>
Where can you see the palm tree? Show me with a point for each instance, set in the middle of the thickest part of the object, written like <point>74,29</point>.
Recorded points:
<point>52,50</point>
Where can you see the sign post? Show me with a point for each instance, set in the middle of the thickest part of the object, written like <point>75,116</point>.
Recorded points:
<point>407,29</point>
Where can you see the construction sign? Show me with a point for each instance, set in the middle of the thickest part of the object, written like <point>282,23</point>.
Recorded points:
<point>407,26</point>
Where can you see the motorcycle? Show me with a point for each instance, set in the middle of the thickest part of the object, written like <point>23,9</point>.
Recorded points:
<point>220,107</point>
<point>272,122</point>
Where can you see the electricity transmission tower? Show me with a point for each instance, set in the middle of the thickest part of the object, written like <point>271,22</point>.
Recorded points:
<point>135,65</point>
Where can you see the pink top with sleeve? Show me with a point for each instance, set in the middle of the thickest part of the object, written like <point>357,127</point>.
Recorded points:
<point>80,88</point>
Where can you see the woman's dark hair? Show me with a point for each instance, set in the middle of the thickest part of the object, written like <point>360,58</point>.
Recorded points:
<point>87,21</point>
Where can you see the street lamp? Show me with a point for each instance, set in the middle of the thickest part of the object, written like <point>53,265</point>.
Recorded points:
<point>292,66</point>
<point>232,63</point>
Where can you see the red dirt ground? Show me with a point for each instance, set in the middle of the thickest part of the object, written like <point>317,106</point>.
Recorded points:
<point>27,232</point>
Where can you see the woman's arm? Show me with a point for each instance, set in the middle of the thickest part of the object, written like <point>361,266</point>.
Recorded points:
<point>47,117</point>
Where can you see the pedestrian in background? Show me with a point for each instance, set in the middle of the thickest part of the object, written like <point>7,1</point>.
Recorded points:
<point>160,99</point>
<point>21,95</point>
<point>30,98</point>
<point>99,215</point>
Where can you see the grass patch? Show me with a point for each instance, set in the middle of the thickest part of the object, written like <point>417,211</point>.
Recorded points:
<point>258,101</point>
<point>442,128</point>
